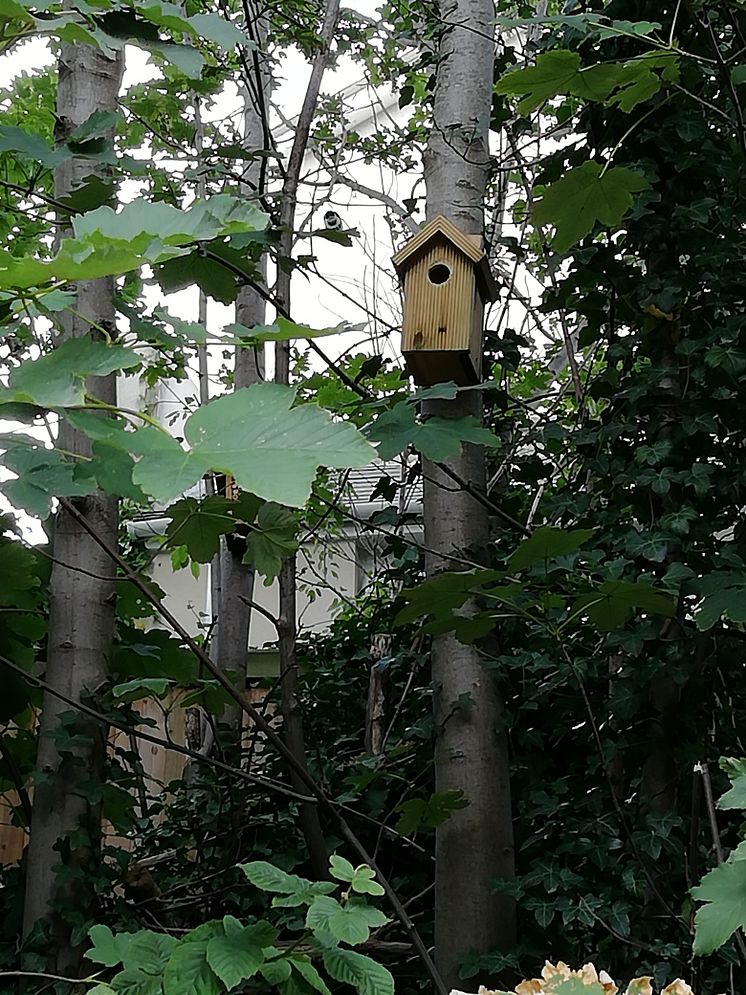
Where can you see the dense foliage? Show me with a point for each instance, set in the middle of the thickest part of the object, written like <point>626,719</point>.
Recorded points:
<point>608,603</point>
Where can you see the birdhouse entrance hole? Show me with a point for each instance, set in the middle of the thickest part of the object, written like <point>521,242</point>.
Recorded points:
<point>439,273</point>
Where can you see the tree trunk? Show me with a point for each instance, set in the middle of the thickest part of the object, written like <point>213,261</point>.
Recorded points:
<point>475,845</point>
<point>291,713</point>
<point>236,589</point>
<point>66,825</point>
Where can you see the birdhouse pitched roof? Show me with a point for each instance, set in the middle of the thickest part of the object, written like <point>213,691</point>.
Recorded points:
<point>470,245</point>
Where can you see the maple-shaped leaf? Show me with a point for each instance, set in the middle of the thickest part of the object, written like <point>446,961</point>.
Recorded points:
<point>585,197</point>
<point>724,891</point>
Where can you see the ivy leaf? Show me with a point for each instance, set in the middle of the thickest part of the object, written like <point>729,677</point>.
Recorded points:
<point>359,971</point>
<point>547,543</point>
<point>429,813</point>
<point>584,197</point>
<point>232,959</point>
<point>610,604</point>
<point>724,891</point>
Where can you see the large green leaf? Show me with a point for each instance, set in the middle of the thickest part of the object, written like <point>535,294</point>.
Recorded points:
<point>271,539</point>
<point>108,948</point>
<point>584,197</point>
<point>271,449</point>
<point>614,600</point>
<point>198,525</point>
<point>435,438</point>
<point>440,596</point>
<point>187,971</point>
<point>359,971</point>
<point>560,72</point>
<point>350,923</point>
<point>107,242</point>
<point>724,891</point>
<point>42,475</point>
<point>232,959</point>
<point>547,543</point>
<point>57,379</point>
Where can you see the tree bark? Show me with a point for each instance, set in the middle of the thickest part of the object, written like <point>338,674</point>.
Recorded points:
<point>475,845</point>
<point>236,589</point>
<point>66,825</point>
<point>291,713</point>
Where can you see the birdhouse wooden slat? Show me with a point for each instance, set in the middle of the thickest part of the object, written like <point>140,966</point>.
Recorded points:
<point>447,281</point>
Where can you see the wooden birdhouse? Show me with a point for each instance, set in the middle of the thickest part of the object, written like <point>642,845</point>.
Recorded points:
<point>447,282</point>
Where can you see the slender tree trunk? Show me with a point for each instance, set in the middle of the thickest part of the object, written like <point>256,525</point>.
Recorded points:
<point>475,845</point>
<point>66,825</point>
<point>291,711</point>
<point>236,589</point>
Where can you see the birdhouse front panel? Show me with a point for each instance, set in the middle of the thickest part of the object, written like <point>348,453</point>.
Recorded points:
<point>446,279</point>
<point>439,295</point>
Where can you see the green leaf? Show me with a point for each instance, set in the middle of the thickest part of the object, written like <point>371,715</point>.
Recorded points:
<point>42,474</point>
<point>57,379</point>
<point>98,125</point>
<point>429,813</point>
<point>142,687</point>
<point>215,28</point>
<point>271,540</point>
<point>198,525</point>
<point>611,603</point>
<point>232,959</point>
<point>440,596</point>
<point>187,968</point>
<point>364,882</point>
<point>349,923</point>
<point>309,974</point>
<point>584,197</point>
<point>560,72</point>
<point>436,438</point>
<point>735,797</point>
<point>724,891</point>
<point>273,879</point>
<point>108,949</point>
<point>271,449</point>
<point>359,971</point>
<point>276,971</point>
<point>32,146</point>
<point>341,869</point>
<point>148,951</point>
<point>133,981</point>
<point>361,878</point>
<point>285,330</point>
<point>547,543</point>
<point>556,72</point>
